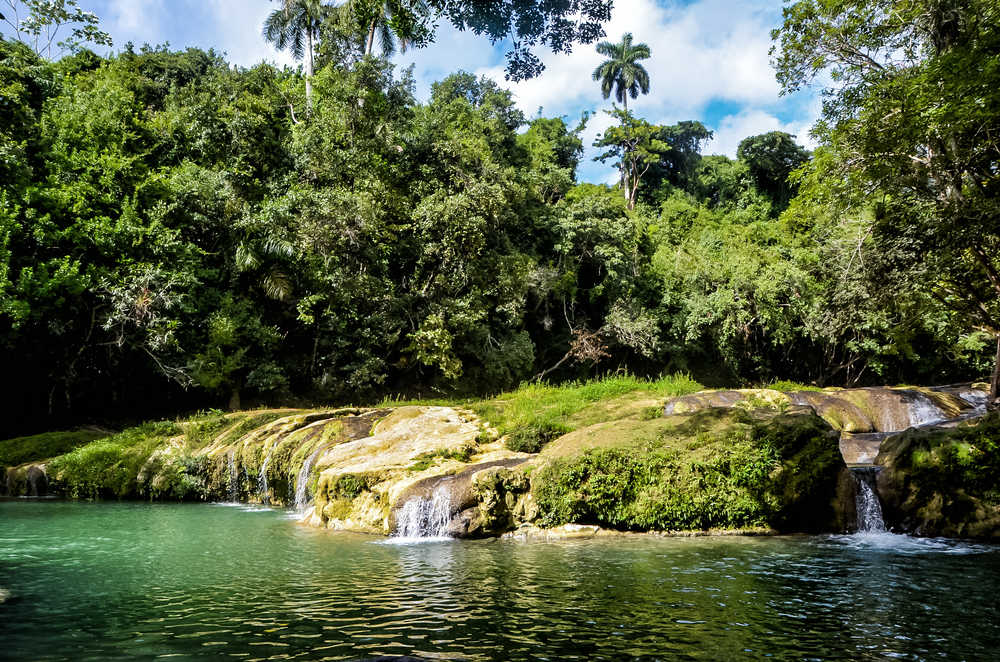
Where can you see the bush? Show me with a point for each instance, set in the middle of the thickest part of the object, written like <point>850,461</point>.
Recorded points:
<point>34,448</point>
<point>110,467</point>
<point>532,438</point>
<point>778,474</point>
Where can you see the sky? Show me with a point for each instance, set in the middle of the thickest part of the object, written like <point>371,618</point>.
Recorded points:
<point>709,62</point>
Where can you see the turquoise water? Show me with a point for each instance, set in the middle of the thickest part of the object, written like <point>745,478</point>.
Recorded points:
<point>138,581</point>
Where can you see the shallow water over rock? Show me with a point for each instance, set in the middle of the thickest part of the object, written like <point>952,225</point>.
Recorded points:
<point>139,581</point>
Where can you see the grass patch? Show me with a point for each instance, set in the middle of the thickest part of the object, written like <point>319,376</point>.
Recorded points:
<point>37,447</point>
<point>532,413</point>
<point>785,386</point>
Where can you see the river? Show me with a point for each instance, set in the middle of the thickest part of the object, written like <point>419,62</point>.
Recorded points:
<point>138,581</point>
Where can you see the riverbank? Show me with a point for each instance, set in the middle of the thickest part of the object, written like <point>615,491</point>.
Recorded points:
<point>616,455</point>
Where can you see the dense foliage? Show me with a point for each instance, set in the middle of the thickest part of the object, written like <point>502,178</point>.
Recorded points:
<point>176,232</point>
<point>719,469</point>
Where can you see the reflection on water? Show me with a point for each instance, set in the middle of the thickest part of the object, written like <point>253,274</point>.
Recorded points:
<point>117,581</point>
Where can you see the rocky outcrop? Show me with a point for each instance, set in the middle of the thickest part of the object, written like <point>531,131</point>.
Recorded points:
<point>411,453</point>
<point>943,482</point>
<point>855,410</point>
<point>27,480</point>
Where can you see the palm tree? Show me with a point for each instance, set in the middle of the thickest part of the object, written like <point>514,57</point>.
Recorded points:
<point>622,70</point>
<point>623,74</point>
<point>376,18</point>
<point>295,27</point>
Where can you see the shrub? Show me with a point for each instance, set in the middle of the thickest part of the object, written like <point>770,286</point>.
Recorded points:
<point>532,438</point>
<point>34,448</point>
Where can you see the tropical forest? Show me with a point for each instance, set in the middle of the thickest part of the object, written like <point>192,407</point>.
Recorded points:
<point>314,354</point>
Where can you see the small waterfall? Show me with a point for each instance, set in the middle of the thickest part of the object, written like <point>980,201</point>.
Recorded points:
<point>924,411</point>
<point>866,501</point>
<point>262,481</point>
<point>302,481</point>
<point>234,478</point>
<point>424,518</point>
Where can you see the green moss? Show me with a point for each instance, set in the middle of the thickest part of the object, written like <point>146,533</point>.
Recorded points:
<point>428,459</point>
<point>251,423</point>
<point>200,432</point>
<point>742,473</point>
<point>37,447</point>
<point>786,386</point>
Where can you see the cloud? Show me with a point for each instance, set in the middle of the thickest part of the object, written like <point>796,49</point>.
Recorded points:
<point>229,26</point>
<point>710,49</point>
<point>751,122</point>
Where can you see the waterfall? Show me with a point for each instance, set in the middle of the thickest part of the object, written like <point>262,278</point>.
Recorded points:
<point>425,518</point>
<point>866,501</point>
<point>302,481</point>
<point>262,481</point>
<point>234,478</point>
<point>923,411</point>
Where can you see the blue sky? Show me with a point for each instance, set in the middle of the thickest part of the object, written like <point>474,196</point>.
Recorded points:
<point>709,61</point>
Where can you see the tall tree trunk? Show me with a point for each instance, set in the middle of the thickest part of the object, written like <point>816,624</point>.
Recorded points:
<point>234,399</point>
<point>309,70</point>
<point>626,155</point>
<point>995,380</point>
<point>371,38</point>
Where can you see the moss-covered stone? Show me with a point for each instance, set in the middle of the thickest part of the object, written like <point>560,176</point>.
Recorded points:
<point>717,468</point>
<point>943,482</point>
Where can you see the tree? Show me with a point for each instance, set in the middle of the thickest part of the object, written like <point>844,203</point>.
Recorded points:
<point>294,27</point>
<point>636,145</point>
<point>911,133</point>
<point>38,23</point>
<point>771,158</point>
<point>678,165</point>
<point>526,23</point>
<point>621,72</point>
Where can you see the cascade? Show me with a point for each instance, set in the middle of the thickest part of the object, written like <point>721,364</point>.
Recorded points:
<point>302,481</point>
<point>924,411</point>
<point>424,518</point>
<point>234,478</point>
<point>869,509</point>
<point>262,481</point>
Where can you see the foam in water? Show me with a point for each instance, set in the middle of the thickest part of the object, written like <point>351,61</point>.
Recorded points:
<point>302,481</point>
<point>869,510</point>
<point>424,519</point>
<point>262,481</point>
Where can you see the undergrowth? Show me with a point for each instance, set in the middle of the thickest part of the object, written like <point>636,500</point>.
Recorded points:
<point>37,447</point>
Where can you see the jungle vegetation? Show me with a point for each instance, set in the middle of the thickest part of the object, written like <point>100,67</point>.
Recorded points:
<point>177,232</point>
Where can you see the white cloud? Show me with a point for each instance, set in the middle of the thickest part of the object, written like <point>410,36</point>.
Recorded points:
<point>734,128</point>
<point>241,39</point>
<point>711,49</point>
<point>232,27</point>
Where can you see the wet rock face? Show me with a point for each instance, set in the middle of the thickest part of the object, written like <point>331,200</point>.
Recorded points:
<point>27,480</point>
<point>412,453</point>
<point>481,498</point>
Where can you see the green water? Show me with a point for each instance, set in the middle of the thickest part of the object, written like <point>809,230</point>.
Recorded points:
<point>137,581</point>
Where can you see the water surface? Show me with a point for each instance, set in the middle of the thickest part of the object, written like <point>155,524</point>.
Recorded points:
<point>138,581</point>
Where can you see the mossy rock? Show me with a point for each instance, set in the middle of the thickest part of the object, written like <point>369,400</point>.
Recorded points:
<point>717,468</point>
<point>943,482</point>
